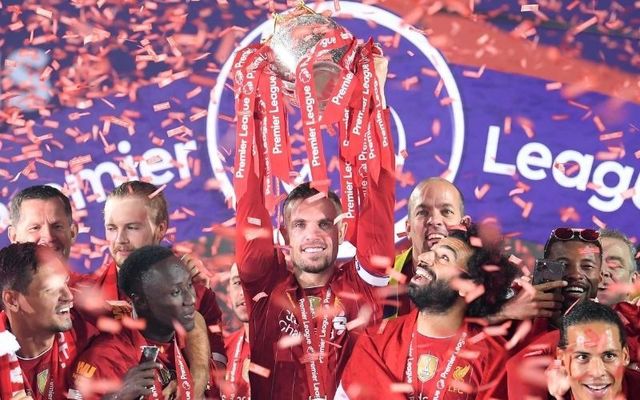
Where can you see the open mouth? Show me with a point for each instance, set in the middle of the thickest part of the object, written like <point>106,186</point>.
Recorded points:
<point>64,310</point>
<point>574,290</point>
<point>313,250</point>
<point>597,390</point>
<point>433,238</point>
<point>424,274</point>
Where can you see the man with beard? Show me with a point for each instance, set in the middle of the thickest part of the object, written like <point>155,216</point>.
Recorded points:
<point>161,291</point>
<point>305,308</point>
<point>592,357</point>
<point>434,206</point>
<point>426,353</point>
<point>237,345</point>
<point>580,251</point>
<point>39,321</point>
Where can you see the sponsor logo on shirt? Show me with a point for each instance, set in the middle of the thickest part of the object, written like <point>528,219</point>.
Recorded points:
<point>427,366</point>
<point>85,370</point>
<point>42,380</point>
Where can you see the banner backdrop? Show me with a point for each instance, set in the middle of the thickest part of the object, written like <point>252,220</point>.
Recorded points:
<point>497,100</point>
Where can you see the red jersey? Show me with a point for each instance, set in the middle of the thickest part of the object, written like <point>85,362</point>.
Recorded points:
<point>110,357</point>
<point>106,278</point>
<point>395,362</point>
<point>630,316</point>
<point>525,370</point>
<point>46,376</point>
<point>237,376</point>
<point>282,309</point>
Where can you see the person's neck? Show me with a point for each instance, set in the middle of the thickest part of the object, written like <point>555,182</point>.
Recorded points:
<point>158,333</point>
<point>440,325</point>
<point>308,280</point>
<point>32,344</point>
<point>245,326</point>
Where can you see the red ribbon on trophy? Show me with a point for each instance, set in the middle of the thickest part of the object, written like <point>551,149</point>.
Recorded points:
<point>317,65</point>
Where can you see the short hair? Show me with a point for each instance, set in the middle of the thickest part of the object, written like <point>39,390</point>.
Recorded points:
<point>37,192</point>
<point>616,234</point>
<point>145,190</point>
<point>590,311</point>
<point>496,282</point>
<point>18,264</point>
<point>424,182</point>
<point>135,268</point>
<point>553,240</point>
<point>305,191</point>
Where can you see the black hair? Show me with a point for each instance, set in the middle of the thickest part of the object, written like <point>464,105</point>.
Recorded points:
<point>18,264</point>
<point>137,265</point>
<point>305,191</point>
<point>153,198</point>
<point>590,311</point>
<point>496,282</point>
<point>37,192</point>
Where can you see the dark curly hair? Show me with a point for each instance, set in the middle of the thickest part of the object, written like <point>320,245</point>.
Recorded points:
<point>590,311</point>
<point>135,267</point>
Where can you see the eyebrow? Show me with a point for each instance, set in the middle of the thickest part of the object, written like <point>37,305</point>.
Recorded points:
<point>450,248</point>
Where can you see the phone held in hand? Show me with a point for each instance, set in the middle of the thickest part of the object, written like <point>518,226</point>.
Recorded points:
<point>547,271</point>
<point>149,353</point>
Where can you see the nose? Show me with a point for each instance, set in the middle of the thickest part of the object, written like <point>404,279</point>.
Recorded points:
<point>66,294</point>
<point>427,258</point>
<point>606,273</point>
<point>121,236</point>
<point>45,235</point>
<point>189,296</point>
<point>572,271</point>
<point>596,367</point>
<point>435,219</point>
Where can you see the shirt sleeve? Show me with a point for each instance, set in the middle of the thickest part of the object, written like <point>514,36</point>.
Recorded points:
<point>208,307</point>
<point>260,264</point>
<point>375,236</point>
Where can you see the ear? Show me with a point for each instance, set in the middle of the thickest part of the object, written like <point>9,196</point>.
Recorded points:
<point>11,232</point>
<point>10,300</point>
<point>161,231</point>
<point>625,356</point>
<point>407,227</point>
<point>74,232</point>
<point>139,302</point>
<point>466,221</point>
<point>634,276</point>
<point>342,232</point>
<point>284,233</point>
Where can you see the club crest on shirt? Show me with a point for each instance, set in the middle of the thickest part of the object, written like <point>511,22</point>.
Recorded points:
<point>427,366</point>
<point>42,380</point>
<point>459,373</point>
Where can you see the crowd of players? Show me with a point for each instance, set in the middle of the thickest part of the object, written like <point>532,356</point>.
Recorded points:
<point>453,318</point>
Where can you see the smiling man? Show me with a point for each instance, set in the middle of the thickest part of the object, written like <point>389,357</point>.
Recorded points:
<point>618,269</point>
<point>160,289</point>
<point>38,310</point>
<point>580,251</point>
<point>434,206</point>
<point>422,352</point>
<point>42,214</point>
<point>594,356</point>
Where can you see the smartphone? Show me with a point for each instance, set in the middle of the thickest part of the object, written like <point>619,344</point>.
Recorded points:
<point>547,271</point>
<point>149,353</point>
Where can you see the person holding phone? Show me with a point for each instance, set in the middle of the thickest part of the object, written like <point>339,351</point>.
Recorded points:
<point>160,288</point>
<point>580,252</point>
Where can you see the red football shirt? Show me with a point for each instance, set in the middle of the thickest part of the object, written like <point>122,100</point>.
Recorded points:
<point>275,312</point>
<point>237,376</point>
<point>106,278</point>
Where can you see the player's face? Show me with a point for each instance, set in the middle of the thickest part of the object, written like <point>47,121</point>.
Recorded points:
<point>236,295</point>
<point>616,269</point>
<point>44,222</point>
<point>313,235</point>
<point>582,271</point>
<point>432,210</point>
<point>128,226</point>
<point>595,361</point>
<point>46,305</point>
<point>170,296</point>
